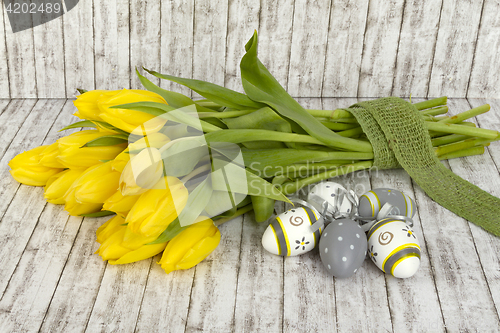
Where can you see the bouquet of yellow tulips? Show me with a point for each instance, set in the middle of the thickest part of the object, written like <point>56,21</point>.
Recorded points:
<point>171,169</point>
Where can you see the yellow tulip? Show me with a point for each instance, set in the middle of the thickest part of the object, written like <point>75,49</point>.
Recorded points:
<point>191,246</point>
<point>49,156</point>
<point>58,185</point>
<point>27,168</point>
<point>86,103</point>
<point>131,120</point>
<point>142,172</point>
<point>88,193</point>
<point>157,208</point>
<point>156,140</point>
<point>72,155</point>
<point>120,246</point>
<point>120,204</point>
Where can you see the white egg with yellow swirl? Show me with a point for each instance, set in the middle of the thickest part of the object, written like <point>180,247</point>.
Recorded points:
<point>394,247</point>
<point>371,202</point>
<point>290,233</point>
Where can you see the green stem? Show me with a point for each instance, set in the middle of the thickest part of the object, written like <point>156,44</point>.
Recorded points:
<point>338,126</point>
<point>461,129</point>
<point>435,111</point>
<point>330,114</point>
<point>431,103</point>
<point>226,114</point>
<point>239,212</point>
<point>447,139</point>
<point>246,135</point>
<point>291,187</point>
<point>351,132</point>
<point>478,150</point>
<point>466,115</point>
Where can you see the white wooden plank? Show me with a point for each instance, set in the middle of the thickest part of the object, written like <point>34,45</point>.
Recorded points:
<point>243,19</point>
<point>49,59</point>
<point>308,49</point>
<point>484,79</point>
<point>380,48</point>
<point>12,118</point>
<point>344,48</point>
<point>455,48</point>
<point>20,62</point>
<point>177,19</point>
<point>416,48</point>
<point>365,292</point>
<point>144,38</point>
<point>460,281</point>
<point>209,41</point>
<point>160,313</point>
<point>4,71</point>
<point>3,105</point>
<point>213,295</point>
<point>259,306</point>
<point>308,289</point>
<point>25,205</point>
<point>275,37</point>
<point>79,284</point>
<point>119,298</point>
<point>78,28</point>
<point>111,44</point>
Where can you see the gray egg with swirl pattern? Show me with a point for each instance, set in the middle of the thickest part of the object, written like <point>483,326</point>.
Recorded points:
<point>342,247</point>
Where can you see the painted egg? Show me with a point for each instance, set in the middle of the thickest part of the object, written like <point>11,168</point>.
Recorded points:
<point>371,202</point>
<point>394,247</point>
<point>328,191</point>
<point>342,247</point>
<point>290,233</point>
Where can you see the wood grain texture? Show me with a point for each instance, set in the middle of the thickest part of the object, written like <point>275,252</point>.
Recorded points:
<point>460,281</point>
<point>144,38</point>
<point>177,18</point>
<point>308,49</point>
<point>165,301</point>
<point>213,295</point>
<point>380,47</point>
<point>209,41</point>
<point>78,28</point>
<point>344,48</point>
<point>416,47</point>
<point>259,296</point>
<point>4,69</point>
<point>111,44</point>
<point>456,44</point>
<point>49,59</point>
<point>275,37</point>
<point>243,19</point>
<point>21,62</point>
<point>484,80</point>
<point>79,283</point>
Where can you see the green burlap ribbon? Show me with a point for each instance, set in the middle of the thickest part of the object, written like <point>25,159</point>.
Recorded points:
<point>399,138</point>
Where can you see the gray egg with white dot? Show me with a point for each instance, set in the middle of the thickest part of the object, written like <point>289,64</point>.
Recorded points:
<point>342,247</point>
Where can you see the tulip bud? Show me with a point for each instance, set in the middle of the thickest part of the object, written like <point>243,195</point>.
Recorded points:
<point>142,172</point>
<point>72,155</point>
<point>120,204</point>
<point>86,103</point>
<point>131,120</point>
<point>49,156</point>
<point>58,185</point>
<point>27,168</point>
<point>88,193</point>
<point>158,207</point>
<point>191,246</point>
<point>120,246</point>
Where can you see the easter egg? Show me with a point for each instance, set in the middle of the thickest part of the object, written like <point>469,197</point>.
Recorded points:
<point>328,191</point>
<point>371,202</point>
<point>290,233</point>
<point>394,247</point>
<point>342,247</point>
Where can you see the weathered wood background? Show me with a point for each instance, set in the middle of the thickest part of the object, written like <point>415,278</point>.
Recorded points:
<point>338,48</point>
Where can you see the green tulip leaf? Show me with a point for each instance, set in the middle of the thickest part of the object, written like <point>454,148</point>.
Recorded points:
<point>215,93</point>
<point>110,127</point>
<point>81,91</point>
<point>173,229</point>
<point>79,124</point>
<point>262,87</point>
<point>153,108</point>
<point>99,214</point>
<point>182,155</point>
<point>107,140</point>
